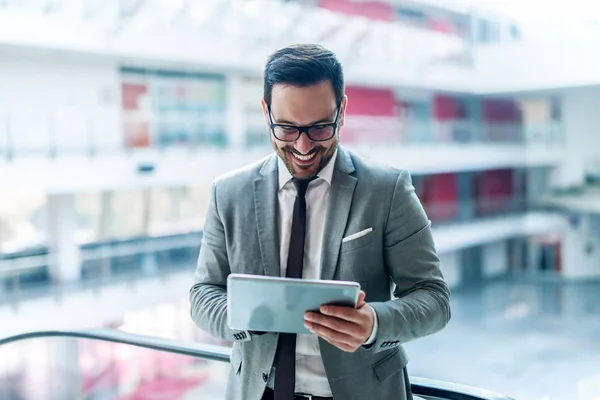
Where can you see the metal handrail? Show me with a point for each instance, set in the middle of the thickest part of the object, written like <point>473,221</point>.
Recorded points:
<point>430,388</point>
<point>148,245</point>
<point>451,391</point>
<point>206,351</point>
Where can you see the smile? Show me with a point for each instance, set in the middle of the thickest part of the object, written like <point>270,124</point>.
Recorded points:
<point>304,158</point>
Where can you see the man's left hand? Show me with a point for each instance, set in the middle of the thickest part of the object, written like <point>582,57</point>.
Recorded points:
<point>344,327</point>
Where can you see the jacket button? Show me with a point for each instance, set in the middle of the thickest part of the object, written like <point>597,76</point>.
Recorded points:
<point>265,377</point>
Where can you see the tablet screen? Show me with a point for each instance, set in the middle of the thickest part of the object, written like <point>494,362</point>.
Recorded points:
<point>272,304</point>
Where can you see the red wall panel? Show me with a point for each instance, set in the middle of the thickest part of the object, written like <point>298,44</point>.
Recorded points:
<point>496,183</point>
<point>495,192</point>
<point>439,195</point>
<point>131,94</point>
<point>500,111</point>
<point>371,102</point>
<point>446,108</point>
<point>375,10</point>
<point>445,187</point>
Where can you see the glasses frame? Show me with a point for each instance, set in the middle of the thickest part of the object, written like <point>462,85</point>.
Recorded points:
<point>305,129</point>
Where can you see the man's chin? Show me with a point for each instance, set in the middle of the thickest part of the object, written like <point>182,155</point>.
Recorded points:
<point>304,171</point>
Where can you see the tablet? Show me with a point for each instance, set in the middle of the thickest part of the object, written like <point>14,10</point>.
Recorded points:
<point>272,304</point>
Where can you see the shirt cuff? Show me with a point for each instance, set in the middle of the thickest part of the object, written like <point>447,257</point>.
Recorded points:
<point>373,336</point>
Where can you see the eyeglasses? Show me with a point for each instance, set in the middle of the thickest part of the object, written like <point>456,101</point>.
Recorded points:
<point>316,133</point>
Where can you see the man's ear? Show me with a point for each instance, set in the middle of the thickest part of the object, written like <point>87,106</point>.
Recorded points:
<point>263,104</point>
<point>343,111</point>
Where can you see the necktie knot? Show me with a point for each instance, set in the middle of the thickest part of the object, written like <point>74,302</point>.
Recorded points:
<point>301,186</point>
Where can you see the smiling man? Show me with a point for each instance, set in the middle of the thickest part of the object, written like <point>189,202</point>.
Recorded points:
<point>315,210</point>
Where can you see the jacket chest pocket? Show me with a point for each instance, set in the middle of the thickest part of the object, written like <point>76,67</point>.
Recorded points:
<point>365,238</point>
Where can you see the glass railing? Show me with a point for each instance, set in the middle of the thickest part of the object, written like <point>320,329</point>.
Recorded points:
<point>28,274</point>
<point>115,365</point>
<point>386,130</point>
<point>464,211</point>
<point>45,137</point>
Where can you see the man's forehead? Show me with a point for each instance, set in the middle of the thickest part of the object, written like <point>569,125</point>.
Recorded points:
<point>302,105</point>
<point>295,116</point>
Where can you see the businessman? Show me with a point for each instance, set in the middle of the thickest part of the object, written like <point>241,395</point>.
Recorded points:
<point>318,211</point>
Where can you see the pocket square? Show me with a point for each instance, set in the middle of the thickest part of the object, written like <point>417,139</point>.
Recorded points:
<point>357,235</point>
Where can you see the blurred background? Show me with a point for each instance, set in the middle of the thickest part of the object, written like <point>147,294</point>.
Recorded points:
<point>116,115</point>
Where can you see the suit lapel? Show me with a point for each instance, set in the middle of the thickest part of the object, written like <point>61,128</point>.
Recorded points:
<point>340,201</point>
<point>266,210</point>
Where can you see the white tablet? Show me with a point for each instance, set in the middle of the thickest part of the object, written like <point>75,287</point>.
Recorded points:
<point>272,304</point>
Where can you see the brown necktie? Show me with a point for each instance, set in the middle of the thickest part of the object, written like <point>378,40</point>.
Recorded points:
<point>285,373</point>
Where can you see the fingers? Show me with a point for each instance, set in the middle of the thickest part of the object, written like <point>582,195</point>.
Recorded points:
<point>361,299</point>
<point>330,322</point>
<point>343,313</point>
<point>347,332</point>
<point>339,339</point>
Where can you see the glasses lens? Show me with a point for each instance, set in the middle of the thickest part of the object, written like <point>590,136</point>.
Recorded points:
<point>321,132</point>
<point>285,133</point>
<point>317,133</point>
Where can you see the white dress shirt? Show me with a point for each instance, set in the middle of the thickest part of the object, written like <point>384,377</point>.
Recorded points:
<point>310,371</point>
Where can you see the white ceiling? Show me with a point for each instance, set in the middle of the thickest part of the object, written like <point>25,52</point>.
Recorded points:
<point>251,29</point>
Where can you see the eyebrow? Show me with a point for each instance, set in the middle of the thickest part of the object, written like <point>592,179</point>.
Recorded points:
<point>321,121</point>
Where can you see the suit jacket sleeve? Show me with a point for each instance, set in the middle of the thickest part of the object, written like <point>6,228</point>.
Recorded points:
<point>208,295</point>
<point>422,299</point>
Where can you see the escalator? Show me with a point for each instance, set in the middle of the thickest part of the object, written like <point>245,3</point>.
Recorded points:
<point>106,364</point>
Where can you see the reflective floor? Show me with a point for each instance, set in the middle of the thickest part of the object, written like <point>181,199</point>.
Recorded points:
<point>530,341</point>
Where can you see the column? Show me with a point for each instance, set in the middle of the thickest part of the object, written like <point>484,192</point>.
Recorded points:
<point>236,121</point>
<point>66,381</point>
<point>473,36</point>
<point>62,229</point>
<point>50,369</point>
<point>2,277</point>
<point>105,221</point>
<point>450,265</point>
<point>536,183</point>
<point>149,262</point>
<point>495,259</point>
<point>465,196</point>
<point>581,247</point>
<point>580,120</point>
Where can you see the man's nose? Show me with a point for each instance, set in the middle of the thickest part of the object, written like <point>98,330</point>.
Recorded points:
<point>304,145</point>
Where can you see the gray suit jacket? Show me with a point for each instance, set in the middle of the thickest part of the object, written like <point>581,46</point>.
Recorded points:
<point>399,257</point>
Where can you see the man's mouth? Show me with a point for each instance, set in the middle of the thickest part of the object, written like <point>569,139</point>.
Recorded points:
<point>304,158</point>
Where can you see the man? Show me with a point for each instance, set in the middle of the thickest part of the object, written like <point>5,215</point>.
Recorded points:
<point>318,211</point>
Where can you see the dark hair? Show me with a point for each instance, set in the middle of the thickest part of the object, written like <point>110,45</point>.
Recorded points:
<point>303,65</point>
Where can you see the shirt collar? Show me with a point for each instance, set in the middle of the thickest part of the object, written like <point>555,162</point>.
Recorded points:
<point>326,173</point>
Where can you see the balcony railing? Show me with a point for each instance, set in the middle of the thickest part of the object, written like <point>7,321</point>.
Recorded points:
<point>112,364</point>
<point>365,129</point>
<point>469,210</point>
<point>86,135</point>
<point>28,274</point>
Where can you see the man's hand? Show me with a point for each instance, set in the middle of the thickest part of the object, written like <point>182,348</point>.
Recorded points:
<point>344,327</point>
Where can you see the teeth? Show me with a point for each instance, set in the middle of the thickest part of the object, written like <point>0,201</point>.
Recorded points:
<point>304,158</point>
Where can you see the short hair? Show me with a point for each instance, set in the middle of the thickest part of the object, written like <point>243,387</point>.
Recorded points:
<point>303,65</point>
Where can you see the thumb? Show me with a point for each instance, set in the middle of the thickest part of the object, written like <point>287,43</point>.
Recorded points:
<point>361,299</point>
